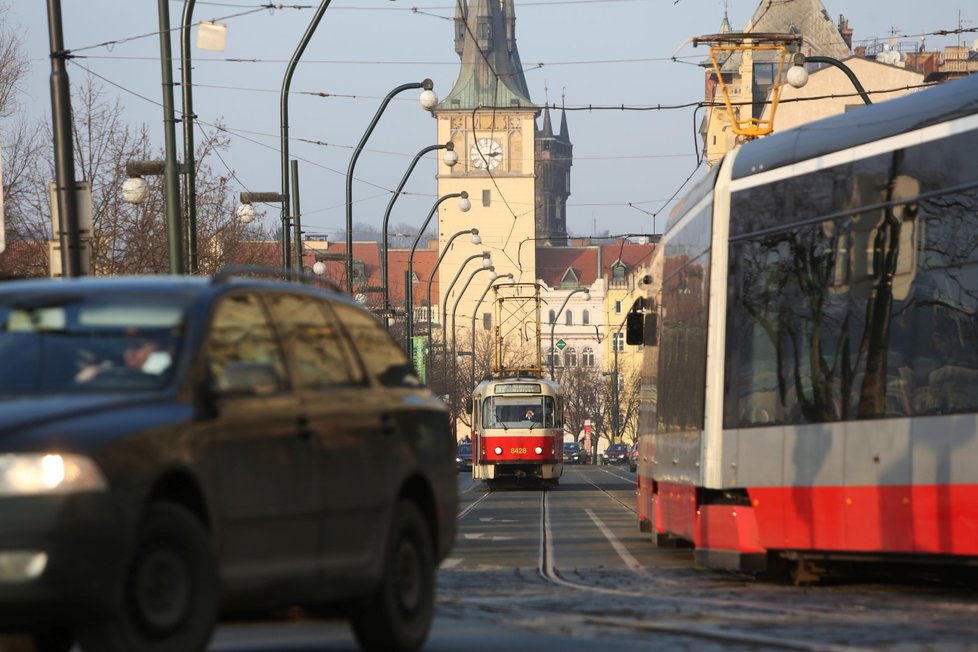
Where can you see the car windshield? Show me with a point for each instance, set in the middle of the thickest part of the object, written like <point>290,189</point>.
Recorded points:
<point>617,448</point>
<point>464,449</point>
<point>571,447</point>
<point>98,343</point>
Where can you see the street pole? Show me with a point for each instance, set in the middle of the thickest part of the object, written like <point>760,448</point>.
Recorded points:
<point>408,289</point>
<point>171,186</point>
<point>554,323</point>
<point>475,311</point>
<point>492,272</point>
<point>64,156</point>
<point>476,239</point>
<point>189,173</point>
<point>427,85</point>
<point>387,216</point>
<point>284,137</point>
<point>486,263</point>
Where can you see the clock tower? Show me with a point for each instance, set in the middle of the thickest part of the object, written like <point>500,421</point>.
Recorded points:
<point>490,119</point>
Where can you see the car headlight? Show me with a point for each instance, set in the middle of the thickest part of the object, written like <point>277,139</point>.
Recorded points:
<point>25,474</point>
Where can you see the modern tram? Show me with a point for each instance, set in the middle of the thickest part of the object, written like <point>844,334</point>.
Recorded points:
<point>518,431</point>
<point>810,369</point>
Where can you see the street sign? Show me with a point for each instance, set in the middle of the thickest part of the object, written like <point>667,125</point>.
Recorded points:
<point>561,344</point>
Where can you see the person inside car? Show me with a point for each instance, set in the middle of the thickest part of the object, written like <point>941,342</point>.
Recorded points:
<point>140,353</point>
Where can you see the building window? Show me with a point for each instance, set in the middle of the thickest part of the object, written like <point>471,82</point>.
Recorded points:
<point>618,272</point>
<point>486,321</point>
<point>618,307</point>
<point>553,359</point>
<point>486,197</point>
<point>570,356</point>
<point>587,357</point>
<point>553,317</point>
<point>618,344</point>
<point>569,318</point>
<point>585,317</point>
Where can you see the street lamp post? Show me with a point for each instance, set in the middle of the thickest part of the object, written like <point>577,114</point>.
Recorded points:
<point>450,159</point>
<point>587,297</point>
<point>797,76</point>
<point>475,312</point>
<point>428,101</point>
<point>448,245</point>
<point>189,175</point>
<point>492,277</point>
<point>463,205</point>
<point>486,264</point>
<point>171,187</point>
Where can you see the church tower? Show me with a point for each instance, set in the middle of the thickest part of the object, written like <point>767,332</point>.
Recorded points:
<point>554,155</point>
<point>490,119</point>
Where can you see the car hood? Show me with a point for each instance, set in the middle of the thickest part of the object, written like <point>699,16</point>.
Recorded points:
<point>68,416</point>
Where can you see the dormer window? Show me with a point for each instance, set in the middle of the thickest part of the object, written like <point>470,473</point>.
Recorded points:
<point>618,271</point>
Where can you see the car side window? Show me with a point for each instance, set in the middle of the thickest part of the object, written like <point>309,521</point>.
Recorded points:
<point>383,359</point>
<point>316,345</point>
<point>243,353</point>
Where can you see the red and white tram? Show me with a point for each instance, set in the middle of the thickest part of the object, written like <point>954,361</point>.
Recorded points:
<point>518,431</point>
<point>810,385</point>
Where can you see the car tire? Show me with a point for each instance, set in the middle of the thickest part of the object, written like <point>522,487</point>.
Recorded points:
<point>53,640</point>
<point>171,590</point>
<point>398,615</point>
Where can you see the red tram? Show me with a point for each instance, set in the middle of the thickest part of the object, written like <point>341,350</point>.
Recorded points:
<point>518,431</point>
<point>810,382</point>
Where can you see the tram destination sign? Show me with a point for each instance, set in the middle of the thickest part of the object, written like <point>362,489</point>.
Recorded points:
<point>518,388</point>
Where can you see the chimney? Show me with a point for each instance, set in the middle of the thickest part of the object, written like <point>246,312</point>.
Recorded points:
<point>845,31</point>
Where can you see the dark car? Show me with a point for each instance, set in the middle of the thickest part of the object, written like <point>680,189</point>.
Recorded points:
<point>616,454</point>
<point>633,457</point>
<point>573,453</point>
<point>173,449</point>
<point>463,457</point>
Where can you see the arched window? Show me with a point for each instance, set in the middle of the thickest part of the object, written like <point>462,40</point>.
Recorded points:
<point>585,317</point>
<point>587,357</point>
<point>570,356</point>
<point>553,317</point>
<point>569,318</point>
<point>553,359</point>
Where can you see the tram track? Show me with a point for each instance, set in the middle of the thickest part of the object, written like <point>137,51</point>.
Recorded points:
<point>670,606</point>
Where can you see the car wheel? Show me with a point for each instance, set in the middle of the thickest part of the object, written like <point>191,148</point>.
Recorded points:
<point>398,615</point>
<point>170,596</point>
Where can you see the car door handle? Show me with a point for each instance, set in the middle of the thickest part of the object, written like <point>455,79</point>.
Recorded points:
<point>388,426</point>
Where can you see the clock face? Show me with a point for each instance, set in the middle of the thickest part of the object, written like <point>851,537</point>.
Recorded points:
<point>486,154</point>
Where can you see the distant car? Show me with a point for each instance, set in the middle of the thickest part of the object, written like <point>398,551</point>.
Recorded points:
<point>633,457</point>
<point>463,457</point>
<point>278,451</point>
<point>573,453</point>
<point>616,454</point>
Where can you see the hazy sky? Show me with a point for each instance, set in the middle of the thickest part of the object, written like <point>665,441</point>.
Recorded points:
<point>586,53</point>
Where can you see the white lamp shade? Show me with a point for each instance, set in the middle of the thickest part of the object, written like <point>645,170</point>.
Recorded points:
<point>587,296</point>
<point>464,204</point>
<point>134,190</point>
<point>319,268</point>
<point>428,99</point>
<point>486,262</point>
<point>245,213</point>
<point>476,238</point>
<point>493,275</point>
<point>797,76</point>
<point>450,158</point>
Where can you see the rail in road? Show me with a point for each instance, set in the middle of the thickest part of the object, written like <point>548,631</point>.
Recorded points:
<point>572,559</point>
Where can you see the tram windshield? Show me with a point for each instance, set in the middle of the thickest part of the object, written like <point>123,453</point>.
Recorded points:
<point>519,412</point>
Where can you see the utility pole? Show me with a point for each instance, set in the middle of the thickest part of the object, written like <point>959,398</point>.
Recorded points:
<point>64,156</point>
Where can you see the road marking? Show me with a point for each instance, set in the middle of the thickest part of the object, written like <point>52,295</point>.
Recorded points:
<point>451,562</point>
<point>626,556</point>
<point>482,535</point>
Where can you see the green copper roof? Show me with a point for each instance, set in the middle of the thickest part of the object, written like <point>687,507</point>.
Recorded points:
<point>491,73</point>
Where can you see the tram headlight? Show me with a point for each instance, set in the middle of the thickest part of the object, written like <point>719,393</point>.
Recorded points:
<point>538,450</point>
<point>497,450</point>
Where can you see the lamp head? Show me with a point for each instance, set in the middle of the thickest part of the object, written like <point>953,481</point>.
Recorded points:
<point>587,295</point>
<point>476,238</point>
<point>463,203</point>
<point>245,213</point>
<point>486,260</point>
<point>428,97</point>
<point>492,274</point>
<point>450,158</point>
<point>319,268</point>
<point>797,75</point>
<point>134,190</point>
